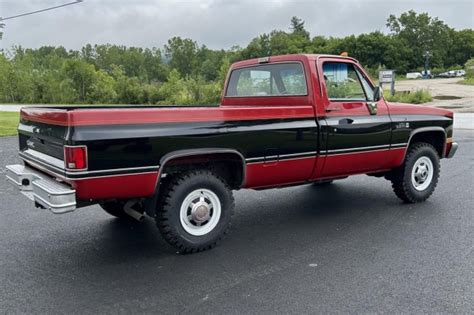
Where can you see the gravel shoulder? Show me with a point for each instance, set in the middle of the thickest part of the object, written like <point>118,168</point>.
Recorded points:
<point>463,95</point>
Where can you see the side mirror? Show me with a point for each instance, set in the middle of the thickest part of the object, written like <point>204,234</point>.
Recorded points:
<point>377,93</point>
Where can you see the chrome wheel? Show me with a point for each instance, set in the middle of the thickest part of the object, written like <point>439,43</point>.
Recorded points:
<point>422,173</point>
<point>200,212</point>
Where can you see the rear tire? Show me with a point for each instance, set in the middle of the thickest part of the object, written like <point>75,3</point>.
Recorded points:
<point>195,210</point>
<point>417,178</point>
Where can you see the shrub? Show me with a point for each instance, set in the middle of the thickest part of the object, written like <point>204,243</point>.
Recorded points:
<point>469,68</point>
<point>466,81</point>
<point>416,97</point>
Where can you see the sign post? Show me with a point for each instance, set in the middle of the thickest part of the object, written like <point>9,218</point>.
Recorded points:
<point>387,76</point>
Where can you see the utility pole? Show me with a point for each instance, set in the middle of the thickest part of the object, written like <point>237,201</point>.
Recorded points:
<point>427,56</point>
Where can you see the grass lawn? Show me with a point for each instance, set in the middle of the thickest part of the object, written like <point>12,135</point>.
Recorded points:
<point>466,81</point>
<point>8,123</point>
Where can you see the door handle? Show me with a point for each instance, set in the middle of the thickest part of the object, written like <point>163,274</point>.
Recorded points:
<point>346,121</point>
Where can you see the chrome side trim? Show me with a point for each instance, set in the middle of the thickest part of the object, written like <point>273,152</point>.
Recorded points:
<point>61,176</point>
<point>111,170</point>
<point>299,154</point>
<point>359,148</point>
<point>283,160</point>
<point>43,168</point>
<point>296,156</point>
<point>399,145</point>
<point>113,175</point>
<point>253,159</point>
<point>52,161</point>
<point>290,156</point>
<point>357,152</point>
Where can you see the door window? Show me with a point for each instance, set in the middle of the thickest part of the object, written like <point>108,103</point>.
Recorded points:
<point>343,82</point>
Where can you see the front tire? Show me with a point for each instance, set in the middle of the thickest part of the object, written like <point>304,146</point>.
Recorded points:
<point>195,210</point>
<point>417,178</point>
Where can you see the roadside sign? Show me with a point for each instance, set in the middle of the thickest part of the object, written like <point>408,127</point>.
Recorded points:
<point>387,76</point>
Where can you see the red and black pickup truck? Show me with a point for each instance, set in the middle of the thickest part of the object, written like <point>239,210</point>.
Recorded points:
<point>283,120</point>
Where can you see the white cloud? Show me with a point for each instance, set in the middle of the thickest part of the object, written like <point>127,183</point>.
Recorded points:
<point>215,23</point>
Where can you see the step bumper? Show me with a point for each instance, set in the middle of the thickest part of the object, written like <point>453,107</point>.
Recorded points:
<point>45,191</point>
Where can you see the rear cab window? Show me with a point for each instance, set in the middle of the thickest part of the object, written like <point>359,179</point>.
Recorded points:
<point>278,79</point>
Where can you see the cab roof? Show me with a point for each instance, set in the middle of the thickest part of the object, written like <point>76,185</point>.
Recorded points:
<point>290,57</point>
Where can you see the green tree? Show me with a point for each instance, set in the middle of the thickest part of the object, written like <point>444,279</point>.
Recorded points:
<point>297,27</point>
<point>185,73</point>
<point>81,75</point>
<point>173,90</point>
<point>129,90</point>
<point>103,89</point>
<point>462,47</point>
<point>422,33</point>
<point>182,55</point>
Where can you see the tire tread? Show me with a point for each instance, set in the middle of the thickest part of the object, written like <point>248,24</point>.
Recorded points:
<point>165,207</point>
<point>400,184</point>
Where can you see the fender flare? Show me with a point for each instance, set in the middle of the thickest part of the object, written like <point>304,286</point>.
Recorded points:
<point>426,129</point>
<point>200,152</point>
<point>150,203</point>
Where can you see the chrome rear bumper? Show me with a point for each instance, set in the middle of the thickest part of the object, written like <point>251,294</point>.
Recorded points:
<point>42,189</point>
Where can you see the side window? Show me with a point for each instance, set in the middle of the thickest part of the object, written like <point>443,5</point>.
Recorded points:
<point>268,80</point>
<point>342,82</point>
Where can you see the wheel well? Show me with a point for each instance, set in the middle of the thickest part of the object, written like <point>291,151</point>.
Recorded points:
<point>436,138</point>
<point>228,166</point>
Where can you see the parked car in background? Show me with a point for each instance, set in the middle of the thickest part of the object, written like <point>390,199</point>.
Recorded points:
<point>414,75</point>
<point>427,74</point>
<point>447,74</point>
<point>460,73</point>
<point>452,74</point>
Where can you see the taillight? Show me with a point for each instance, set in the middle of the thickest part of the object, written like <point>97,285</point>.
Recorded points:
<point>75,157</point>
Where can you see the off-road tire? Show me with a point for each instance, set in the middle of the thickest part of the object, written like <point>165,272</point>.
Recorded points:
<point>401,177</point>
<point>173,195</point>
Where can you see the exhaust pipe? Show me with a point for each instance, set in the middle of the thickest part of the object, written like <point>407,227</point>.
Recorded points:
<point>132,212</point>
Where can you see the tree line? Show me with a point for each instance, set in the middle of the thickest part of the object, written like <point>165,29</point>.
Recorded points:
<point>184,72</point>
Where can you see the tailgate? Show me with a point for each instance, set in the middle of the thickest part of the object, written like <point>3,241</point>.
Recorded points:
<point>42,134</point>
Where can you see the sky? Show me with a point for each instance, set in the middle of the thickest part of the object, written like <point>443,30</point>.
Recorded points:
<point>215,23</point>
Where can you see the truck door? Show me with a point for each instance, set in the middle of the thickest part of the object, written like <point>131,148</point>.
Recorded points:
<point>358,130</point>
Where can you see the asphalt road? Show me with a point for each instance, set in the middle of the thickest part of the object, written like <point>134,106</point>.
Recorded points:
<point>352,247</point>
